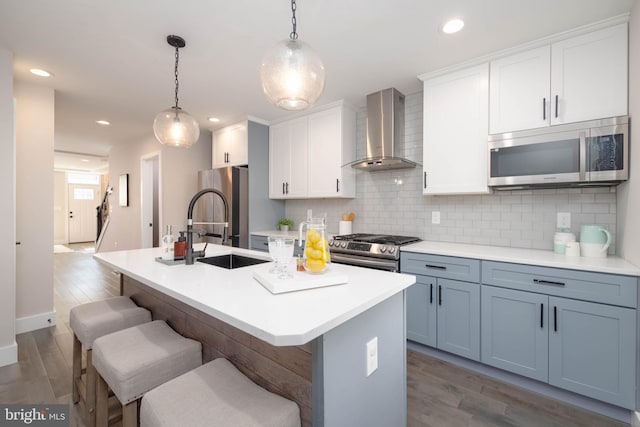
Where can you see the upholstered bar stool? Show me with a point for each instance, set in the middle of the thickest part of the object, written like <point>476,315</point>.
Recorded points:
<point>216,394</point>
<point>133,361</point>
<point>88,322</point>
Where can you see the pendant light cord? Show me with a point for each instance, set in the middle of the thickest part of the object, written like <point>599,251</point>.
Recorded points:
<point>176,73</point>
<point>293,35</point>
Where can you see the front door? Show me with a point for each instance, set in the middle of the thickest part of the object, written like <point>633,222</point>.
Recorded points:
<point>83,200</point>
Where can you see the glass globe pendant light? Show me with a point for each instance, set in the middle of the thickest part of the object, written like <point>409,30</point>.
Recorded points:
<point>175,126</point>
<point>291,72</point>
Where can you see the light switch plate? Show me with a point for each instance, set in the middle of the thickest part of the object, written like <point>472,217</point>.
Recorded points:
<point>435,217</point>
<point>564,220</point>
<point>372,356</point>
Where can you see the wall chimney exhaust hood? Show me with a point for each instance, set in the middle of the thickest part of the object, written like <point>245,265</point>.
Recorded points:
<point>385,133</point>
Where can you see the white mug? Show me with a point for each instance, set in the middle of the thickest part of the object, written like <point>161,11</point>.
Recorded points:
<point>572,249</point>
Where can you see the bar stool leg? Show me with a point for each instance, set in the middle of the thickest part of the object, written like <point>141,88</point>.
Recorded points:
<point>77,367</point>
<point>102,402</point>
<point>130,414</point>
<point>90,403</point>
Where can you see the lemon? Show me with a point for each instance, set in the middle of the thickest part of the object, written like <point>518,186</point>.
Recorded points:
<point>321,243</point>
<point>314,265</point>
<point>313,235</point>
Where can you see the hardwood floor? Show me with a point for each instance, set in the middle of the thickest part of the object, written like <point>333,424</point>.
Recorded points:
<point>439,394</point>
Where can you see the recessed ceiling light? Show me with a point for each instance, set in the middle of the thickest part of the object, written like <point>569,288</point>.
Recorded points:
<point>452,26</point>
<point>84,160</point>
<point>103,122</point>
<point>40,72</point>
<point>214,119</point>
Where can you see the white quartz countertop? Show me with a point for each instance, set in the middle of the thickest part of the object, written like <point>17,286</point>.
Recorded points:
<point>612,265</point>
<point>235,297</point>
<point>294,234</point>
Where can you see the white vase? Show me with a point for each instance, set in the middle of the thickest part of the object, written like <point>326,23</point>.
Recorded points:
<point>284,228</point>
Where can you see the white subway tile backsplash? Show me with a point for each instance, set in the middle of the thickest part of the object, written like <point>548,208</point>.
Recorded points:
<point>518,218</point>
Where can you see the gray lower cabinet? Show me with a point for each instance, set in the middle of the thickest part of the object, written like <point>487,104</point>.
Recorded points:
<point>443,312</point>
<point>515,331</point>
<point>592,350</point>
<point>583,346</point>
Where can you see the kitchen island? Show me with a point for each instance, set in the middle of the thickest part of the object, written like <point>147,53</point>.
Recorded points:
<point>309,346</point>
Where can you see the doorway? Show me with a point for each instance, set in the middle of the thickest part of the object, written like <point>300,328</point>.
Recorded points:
<point>150,183</point>
<point>83,199</point>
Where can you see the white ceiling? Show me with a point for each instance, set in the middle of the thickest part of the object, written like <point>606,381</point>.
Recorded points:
<point>111,60</point>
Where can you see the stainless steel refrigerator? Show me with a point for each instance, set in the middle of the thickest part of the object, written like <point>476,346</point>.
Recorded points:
<point>233,182</point>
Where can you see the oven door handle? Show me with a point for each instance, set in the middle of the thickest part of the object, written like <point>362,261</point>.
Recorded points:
<point>583,156</point>
<point>382,264</point>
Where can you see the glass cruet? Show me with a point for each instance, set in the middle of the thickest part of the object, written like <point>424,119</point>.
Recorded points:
<point>316,248</point>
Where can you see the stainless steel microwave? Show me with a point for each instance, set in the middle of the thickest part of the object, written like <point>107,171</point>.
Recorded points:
<point>576,154</point>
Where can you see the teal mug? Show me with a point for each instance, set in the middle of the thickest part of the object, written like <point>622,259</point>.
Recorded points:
<point>594,241</point>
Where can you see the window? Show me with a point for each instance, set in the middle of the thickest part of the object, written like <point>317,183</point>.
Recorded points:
<point>83,194</point>
<point>83,178</point>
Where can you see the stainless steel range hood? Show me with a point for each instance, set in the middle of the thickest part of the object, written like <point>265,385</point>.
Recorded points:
<point>385,133</point>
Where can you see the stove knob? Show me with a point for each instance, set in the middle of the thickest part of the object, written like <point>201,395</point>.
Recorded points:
<point>330,242</point>
<point>392,250</point>
<point>383,249</point>
<point>343,245</point>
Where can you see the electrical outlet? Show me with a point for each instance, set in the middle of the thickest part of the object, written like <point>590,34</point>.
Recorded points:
<point>435,217</point>
<point>564,220</point>
<point>372,356</point>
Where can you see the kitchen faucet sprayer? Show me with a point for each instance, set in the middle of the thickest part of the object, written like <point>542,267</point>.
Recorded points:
<point>190,254</point>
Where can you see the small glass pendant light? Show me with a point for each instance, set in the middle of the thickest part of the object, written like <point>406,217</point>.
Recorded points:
<point>292,73</point>
<point>175,126</point>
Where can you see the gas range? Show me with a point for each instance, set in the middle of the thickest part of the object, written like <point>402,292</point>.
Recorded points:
<point>369,250</point>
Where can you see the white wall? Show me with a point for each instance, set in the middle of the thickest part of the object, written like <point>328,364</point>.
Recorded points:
<point>629,192</point>
<point>34,204</point>
<point>178,172</point>
<point>8,347</point>
<point>60,209</point>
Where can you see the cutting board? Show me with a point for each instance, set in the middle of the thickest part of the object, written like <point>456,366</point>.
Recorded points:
<point>299,282</point>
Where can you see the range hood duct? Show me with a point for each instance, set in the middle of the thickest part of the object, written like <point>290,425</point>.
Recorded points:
<point>385,133</point>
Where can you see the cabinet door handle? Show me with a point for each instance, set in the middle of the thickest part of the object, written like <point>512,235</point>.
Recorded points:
<point>541,316</point>
<point>548,282</point>
<point>544,108</point>
<point>425,180</point>
<point>439,294</point>
<point>283,188</point>
<point>337,185</point>
<point>431,293</point>
<point>555,319</point>
<point>287,186</point>
<point>436,267</point>
<point>556,106</point>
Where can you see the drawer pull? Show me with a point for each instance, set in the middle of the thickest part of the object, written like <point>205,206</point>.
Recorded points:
<point>547,282</point>
<point>439,295</point>
<point>435,267</point>
<point>431,294</point>
<point>541,316</point>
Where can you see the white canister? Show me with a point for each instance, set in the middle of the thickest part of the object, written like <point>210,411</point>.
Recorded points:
<point>560,240</point>
<point>344,227</point>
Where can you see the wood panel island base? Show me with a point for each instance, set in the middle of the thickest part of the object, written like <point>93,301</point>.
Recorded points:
<point>308,346</point>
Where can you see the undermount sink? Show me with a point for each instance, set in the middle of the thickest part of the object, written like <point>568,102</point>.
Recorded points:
<point>231,261</point>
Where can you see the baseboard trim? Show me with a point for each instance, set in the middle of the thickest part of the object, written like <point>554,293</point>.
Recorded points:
<point>37,321</point>
<point>9,354</point>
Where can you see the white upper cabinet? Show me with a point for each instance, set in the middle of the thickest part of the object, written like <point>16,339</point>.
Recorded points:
<point>589,76</point>
<point>455,132</point>
<point>577,79</point>
<point>288,159</point>
<point>519,91</point>
<point>230,146</point>
<point>331,146</point>
<point>307,155</point>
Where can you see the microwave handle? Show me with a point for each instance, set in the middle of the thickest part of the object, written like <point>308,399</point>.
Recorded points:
<point>583,155</point>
